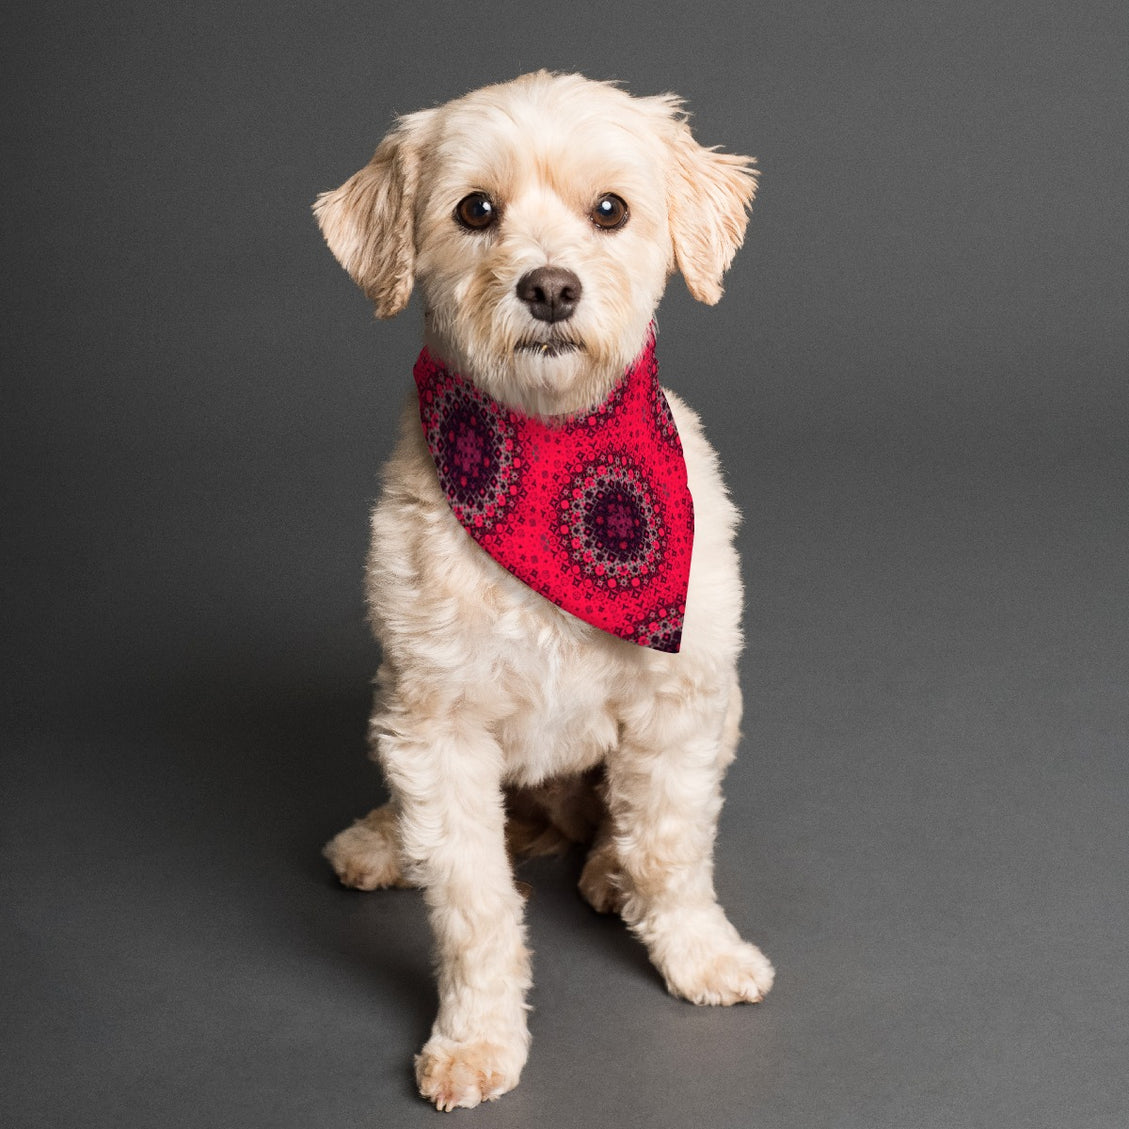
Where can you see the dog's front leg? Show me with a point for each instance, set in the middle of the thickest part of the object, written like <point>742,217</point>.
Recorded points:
<point>664,796</point>
<point>446,775</point>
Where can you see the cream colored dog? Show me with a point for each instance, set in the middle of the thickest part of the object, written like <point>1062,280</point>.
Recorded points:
<point>493,701</point>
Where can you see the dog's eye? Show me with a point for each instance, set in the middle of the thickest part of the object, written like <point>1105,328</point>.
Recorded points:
<point>609,212</point>
<point>476,212</point>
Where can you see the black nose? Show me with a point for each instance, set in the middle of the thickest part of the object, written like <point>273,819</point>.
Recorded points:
<point>551,293</point>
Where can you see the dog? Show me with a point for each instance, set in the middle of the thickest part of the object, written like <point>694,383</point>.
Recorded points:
<point>540,220</point>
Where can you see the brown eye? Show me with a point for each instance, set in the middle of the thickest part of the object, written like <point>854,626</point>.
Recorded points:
<point>476,212</point>
<point>609,212</point>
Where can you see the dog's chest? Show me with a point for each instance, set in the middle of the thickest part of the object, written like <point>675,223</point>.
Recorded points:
<point>461,628</point>
<point>563,723</point>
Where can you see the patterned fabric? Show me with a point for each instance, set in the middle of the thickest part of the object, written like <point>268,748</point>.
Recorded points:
<point>592,510</point>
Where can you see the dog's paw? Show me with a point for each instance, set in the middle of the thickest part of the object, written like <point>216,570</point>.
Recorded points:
<point>461,1075</point>
<point>366,856</point>
<point>733,972</point>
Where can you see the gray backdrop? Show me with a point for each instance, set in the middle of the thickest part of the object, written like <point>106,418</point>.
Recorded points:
<point>917,384</point>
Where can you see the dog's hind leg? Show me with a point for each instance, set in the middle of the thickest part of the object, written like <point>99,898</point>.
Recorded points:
<point>549,818</point>
<point>601,884</point>
<point>664,794</point>
<point>366,856</point>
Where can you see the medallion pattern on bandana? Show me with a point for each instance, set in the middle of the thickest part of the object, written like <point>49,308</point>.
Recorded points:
<point>473,442</point>
<point>613,526</point>
<point>592,511</point>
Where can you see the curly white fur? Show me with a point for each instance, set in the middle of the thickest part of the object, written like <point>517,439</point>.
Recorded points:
<point>485,686</point>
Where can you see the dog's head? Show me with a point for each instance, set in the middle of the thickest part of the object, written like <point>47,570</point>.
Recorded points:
<point>541,219</point>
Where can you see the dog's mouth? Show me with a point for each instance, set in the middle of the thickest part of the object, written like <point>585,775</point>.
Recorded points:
<point>554,347</point>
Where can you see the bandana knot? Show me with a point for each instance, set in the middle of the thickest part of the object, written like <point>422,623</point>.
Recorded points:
<point>591,510</point>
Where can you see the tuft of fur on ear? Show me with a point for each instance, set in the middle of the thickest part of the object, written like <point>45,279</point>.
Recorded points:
<point>368,221</point>
<point>710,194</point>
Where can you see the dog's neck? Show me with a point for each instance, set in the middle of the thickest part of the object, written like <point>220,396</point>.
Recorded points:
<point>540,386</point>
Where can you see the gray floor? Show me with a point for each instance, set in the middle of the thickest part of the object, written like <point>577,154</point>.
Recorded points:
<point>926,830</point>
<point>917,383</point>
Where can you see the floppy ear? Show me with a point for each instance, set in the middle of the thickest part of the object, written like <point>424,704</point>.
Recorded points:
<point>368,222</point>
<point>709,198</point>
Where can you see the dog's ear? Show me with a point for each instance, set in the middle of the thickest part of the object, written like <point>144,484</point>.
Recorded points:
<point>368,222</point>
<point>709,198</point>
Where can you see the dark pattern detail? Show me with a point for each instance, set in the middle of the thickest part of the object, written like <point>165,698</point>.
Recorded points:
<point>661,629</point>
<point>664,420</point>
<point>473,441</point>
<point>612,526</point>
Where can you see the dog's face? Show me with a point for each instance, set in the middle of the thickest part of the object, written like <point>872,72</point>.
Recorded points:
<point>541,219</point>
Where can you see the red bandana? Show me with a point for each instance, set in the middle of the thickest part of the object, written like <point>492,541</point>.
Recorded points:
<point>592,510</point>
